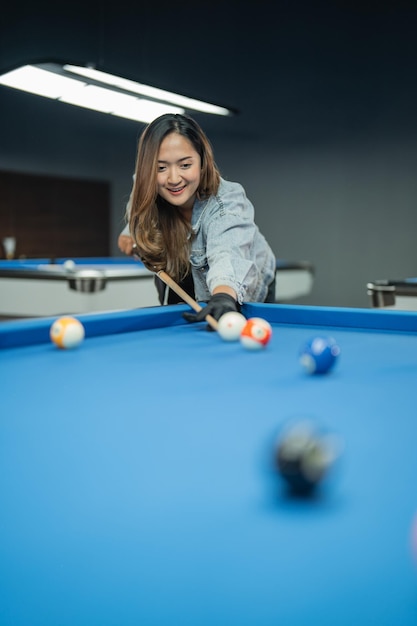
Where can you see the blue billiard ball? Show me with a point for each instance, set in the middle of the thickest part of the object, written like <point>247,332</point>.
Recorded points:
<point>319,355</point>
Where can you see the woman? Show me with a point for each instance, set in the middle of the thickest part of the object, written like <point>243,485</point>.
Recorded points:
<point>199,228</point>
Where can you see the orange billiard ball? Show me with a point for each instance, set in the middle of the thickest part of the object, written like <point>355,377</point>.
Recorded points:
<point>67,332</point>
<point>256,333</point>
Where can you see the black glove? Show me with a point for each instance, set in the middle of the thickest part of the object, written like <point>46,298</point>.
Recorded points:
<point>218,304</point>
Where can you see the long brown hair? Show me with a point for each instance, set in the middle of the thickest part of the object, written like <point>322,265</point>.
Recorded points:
<point>161,233</point>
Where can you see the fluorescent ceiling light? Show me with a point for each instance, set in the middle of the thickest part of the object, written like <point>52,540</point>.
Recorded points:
<point>99,91</point>
<point>40,82</point>
<point>146,90</point>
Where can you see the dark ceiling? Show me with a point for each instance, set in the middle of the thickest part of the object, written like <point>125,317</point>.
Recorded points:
<point>296,71</point>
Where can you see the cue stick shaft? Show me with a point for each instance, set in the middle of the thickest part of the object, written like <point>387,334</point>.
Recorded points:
<point>184,295</point>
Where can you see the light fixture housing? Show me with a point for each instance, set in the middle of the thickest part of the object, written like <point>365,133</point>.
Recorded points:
<point>93,89</point>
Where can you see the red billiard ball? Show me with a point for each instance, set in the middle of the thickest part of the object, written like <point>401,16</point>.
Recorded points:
<point>256,333</point>
<point>319,355</point>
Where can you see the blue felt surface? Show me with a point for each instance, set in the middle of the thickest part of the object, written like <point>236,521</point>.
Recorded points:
<point>136,484</point>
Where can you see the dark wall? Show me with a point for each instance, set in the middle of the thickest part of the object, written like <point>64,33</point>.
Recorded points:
<point>325,143</point>
<point>44,213</point>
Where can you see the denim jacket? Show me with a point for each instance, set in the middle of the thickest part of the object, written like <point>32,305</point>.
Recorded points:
<point>227,247</point>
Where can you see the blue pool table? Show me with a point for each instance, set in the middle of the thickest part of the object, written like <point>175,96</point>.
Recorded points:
<point>137,483</point>
<point>42,287</point>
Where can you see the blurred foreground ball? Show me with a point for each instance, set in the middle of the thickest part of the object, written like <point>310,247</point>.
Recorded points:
<point>304,455</point>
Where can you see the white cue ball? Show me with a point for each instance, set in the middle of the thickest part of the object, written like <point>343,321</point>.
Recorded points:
<point>231,325</point>
<point>69,265</point>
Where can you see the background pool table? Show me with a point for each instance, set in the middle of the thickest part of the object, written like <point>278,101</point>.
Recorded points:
<point>39,287</point>
<point>136,482</point>
<point>394,294</point>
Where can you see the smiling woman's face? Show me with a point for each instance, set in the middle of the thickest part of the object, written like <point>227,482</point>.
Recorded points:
<point>179,171</point>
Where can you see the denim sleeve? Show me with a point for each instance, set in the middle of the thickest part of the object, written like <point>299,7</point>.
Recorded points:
<point>236,251</point>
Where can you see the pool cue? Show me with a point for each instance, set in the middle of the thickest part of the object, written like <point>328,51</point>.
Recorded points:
<point>184,295</point>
